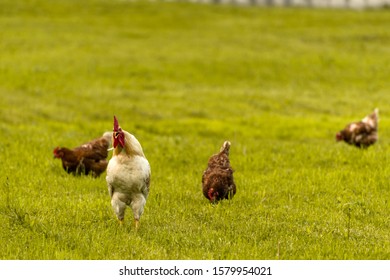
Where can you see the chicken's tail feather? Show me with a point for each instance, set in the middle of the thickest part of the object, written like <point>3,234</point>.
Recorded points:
<point>372,119</point>
<point>225,147</point>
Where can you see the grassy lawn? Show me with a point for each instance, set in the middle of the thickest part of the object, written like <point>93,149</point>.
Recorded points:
<point>278,83</point>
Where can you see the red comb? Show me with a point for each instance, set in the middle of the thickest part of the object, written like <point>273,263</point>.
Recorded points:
<point>116,125</point>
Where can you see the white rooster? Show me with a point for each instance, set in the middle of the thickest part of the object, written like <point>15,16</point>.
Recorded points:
<point>128,175</point>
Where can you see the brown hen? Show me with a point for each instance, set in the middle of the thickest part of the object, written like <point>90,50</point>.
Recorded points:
<point>217,179</point>
<point>88,158</point>
<point>361,134</point>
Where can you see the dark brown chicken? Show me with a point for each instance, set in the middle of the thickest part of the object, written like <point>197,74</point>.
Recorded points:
<point>88,158</point>
<point>361,134</point>
<point>217,179</point>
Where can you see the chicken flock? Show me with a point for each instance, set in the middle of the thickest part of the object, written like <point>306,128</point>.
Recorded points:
<point>128,170</point>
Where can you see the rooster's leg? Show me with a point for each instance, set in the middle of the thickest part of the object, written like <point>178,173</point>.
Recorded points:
<point>136,223</point>
<point>119,209</point>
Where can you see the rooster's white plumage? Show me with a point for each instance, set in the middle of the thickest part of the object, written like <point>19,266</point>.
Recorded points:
<point>128,175</point>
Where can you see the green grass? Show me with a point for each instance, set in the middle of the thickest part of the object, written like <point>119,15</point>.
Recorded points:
<point>278,83</point>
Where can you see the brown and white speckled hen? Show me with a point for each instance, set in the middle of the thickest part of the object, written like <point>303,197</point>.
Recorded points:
<point>361,134</point>
<point>217,179</point>
<point>89,158</point>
